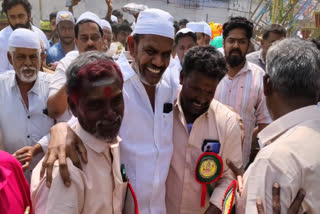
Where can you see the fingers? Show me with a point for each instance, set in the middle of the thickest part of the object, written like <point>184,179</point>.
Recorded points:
<point>259,205</point>
<point>75,158</point>
<point>240,184</point>
<point>296,204</point>
<point>49,166</point>
<point>26,165</point>
<point>63,167</point>
<point>44,165</point>
<point>237,171</point>
<point>276,199</point>
<point>23,157</point>
<point>82,150</point>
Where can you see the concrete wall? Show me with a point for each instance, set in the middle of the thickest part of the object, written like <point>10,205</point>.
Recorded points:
<point>216,11</point>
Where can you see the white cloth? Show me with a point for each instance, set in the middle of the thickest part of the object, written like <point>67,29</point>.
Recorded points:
<point>105,24</point>
<point>146,147</point>
<point>24,38</point>
<point>184,31</point>
<point>22,126</point>
<point>134,8</point>
<point>4,37</point>
<point>89,16</point>
<point>200,27</point>
<point>114,19</point>
<point>64,16</point>
<point>155,22</point>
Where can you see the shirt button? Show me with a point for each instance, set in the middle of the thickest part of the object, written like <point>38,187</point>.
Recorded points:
<point>29,117</point>
<point>28,136</point>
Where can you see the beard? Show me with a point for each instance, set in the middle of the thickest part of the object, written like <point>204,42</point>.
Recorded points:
<point>26,25</point>
<point>27,74</point>
<point>107,137</point>
<point>235,60</point>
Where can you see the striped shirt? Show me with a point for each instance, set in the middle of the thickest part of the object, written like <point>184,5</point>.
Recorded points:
<point>244,93</point>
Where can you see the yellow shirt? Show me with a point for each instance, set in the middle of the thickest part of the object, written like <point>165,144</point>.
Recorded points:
<point>183,193</point>
<point>290,157</point>
<point>97,188</point>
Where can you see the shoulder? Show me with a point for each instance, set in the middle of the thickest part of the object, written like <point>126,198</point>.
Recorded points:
<point>5,77</point>
<point>254,55</point>
<point>221,110</point>
<point>8,161</point>
<point>255,69</point>
<point>45,77</point>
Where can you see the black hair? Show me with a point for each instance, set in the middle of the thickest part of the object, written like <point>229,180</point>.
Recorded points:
<point>76,27</point>
<point>117,13</point>
<point>8,4</point>
<point>236,23</point>
<point>182,35</point>
<point>123,27</point>
<point>316,41</point>
<point>176,27</point>
<point>183,22</point>
<point>53,15</point>
<point>206,60</point>
<point>274,28</point>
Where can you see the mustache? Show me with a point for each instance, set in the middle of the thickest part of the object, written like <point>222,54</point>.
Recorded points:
<point>91,48</point>
<point>236,50</point>
<point>28,68</point>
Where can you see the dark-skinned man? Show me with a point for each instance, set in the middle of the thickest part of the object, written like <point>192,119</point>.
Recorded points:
<point>201,121</point>
<point>94,86</point>
<point>242,87</point>
<point>271,33</point>
<point>19,16</point>
<point>146,150</point>
<point>289,144</point>
<point>65,29</point>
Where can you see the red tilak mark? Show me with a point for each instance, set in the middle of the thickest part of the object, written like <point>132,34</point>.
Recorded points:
<point>107,91</point>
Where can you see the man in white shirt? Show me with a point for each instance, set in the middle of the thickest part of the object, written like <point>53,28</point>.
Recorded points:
<point>19,16</point>
<point>23,97</point>
<point>146,130</point>
<point>94,85</point>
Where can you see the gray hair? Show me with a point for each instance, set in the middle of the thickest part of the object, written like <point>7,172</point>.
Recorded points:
<point>12,50</point>
<point>293,66</point>
<point>82,60</point>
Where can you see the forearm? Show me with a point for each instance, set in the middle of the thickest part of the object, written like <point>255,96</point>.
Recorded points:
<point>108,15</point>
<point>57,104</point>
<point>37,148</point>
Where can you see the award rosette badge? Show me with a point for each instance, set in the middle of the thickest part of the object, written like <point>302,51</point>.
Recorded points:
<point>227,202</point>
<point>208,170</point>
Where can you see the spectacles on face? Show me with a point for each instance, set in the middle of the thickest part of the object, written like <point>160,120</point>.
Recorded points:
<point>86,38</point>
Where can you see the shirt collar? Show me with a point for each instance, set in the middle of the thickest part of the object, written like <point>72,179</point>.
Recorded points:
<point>95,144</point>
<point>244,69</point>
<point>35,88</point>
<point>286,122</point>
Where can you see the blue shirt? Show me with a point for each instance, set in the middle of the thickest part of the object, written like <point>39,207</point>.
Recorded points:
<point>55,53</point>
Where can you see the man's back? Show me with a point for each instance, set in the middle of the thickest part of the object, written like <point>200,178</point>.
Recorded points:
<point>289,157</point>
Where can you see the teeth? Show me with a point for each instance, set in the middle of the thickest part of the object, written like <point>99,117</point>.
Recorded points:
<point>156,71</point>
<point>197,104</point>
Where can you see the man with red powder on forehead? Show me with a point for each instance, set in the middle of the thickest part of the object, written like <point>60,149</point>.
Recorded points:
<point>94,87</point>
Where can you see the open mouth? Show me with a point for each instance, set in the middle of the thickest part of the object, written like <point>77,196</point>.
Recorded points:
<point>154,71</point>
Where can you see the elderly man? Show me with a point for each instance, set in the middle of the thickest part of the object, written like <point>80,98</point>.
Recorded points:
<point>203,32</point>
<point>200,122</point>
<point>94,86</point>
<point>146,151</point>
<point>290,144</point>
<point>23,97</point>
<point>65,29</point>
<point>19,16</point>
<point>271,33</point>
<point>242,87</point>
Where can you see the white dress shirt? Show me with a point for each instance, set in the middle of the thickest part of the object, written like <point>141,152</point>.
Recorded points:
<point>4,37</point>
<point>22,126</point>
<point>146,147</point>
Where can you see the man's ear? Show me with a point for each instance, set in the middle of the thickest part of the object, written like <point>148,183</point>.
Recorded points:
<point>72,105</point>
<point>182,75</point>
<point>10,58</point>
<point>132,45</point>
<point>262,43</point>
<point>267,85</point>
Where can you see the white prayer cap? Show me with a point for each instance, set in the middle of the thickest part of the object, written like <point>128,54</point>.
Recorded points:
<point>24,38</point>
<point>64,16</point>
<point>114,19</point>
<point>156,22</point>
<point>200,27</point>
<point>134,8</point>
<point>105,24</point>
<point>89,16</point>
<point>184,31</point>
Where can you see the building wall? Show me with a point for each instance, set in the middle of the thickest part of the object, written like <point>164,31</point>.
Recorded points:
<point>209,10</point>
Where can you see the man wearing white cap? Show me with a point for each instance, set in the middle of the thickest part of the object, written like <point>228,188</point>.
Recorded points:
<point>203,32</point>
<point>146,129</point>
<point>107,34</point>
<point>88,37</point>
<point>65,29</point>
<point>19,16</point>
<point>23,98</point>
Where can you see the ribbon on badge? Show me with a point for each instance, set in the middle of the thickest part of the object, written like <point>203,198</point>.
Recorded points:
<point>208,170</point>
<point>228,198</point>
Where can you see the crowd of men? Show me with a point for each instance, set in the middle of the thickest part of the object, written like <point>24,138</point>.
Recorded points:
<point>110,117</point>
